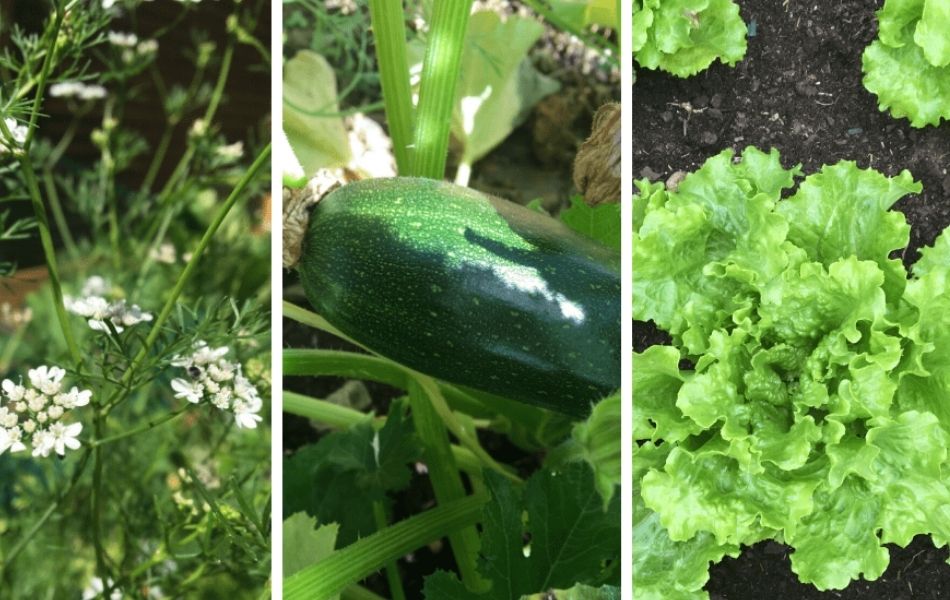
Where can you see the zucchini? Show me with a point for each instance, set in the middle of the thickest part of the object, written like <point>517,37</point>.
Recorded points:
<point>472,289</point>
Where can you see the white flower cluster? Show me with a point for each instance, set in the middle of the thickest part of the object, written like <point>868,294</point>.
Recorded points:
<point>12,318</point>
<point>77,89</point>
<point>34,413</point>
<point>18,131</point>
<point>131,45</point>
<point>97,309</point>
<point>107,4</point>
<point>220,381</point>
<point>96,588</point>
<point>165,253</point>
<point>230,152</point>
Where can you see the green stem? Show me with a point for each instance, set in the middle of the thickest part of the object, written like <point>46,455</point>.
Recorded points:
<point>10,346</point>
<point>58,215</point>
<point>312,319</point>
<point>607,49</point>
<point>356,592</point>
<point>321,411</point>
<point>392,568</point>
<point>440,69</point>
<point>101,557</point>
<point>389,29</point>
<point>44,75</point>
<point>341,417</point>
<point>147,426</point>
<point>49,252</point>
<point>349,565</point>
<point>160,151</point>
<point>446,480</point>
<point>39,209</point>
<point>50,510</point>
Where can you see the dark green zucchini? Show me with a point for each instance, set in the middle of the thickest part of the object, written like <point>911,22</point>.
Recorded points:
<point>472,289</point>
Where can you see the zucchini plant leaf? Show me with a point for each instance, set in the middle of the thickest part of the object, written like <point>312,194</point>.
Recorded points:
<point>572,539</point>
<point>601,222</point>
<point>359,465</point>
<point>311,123</point>
<point>587,12</point>
<point>599,440</point>
<point>306,544</point>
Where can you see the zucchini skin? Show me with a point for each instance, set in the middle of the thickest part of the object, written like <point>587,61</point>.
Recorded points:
<point>468,288</point>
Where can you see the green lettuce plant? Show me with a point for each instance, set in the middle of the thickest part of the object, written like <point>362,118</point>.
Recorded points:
<point>908,66</point>
<point>683,37</point>
<point>804,395</point>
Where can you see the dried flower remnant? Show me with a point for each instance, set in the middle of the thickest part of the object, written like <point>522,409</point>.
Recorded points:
<point>33,414</point>
<point>220,382</point>
<point>77,89</point>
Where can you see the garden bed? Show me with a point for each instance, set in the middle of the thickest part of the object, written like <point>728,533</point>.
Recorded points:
<point>798,90</point>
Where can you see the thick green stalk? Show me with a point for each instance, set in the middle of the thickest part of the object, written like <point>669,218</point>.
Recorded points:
<point>440,71</point>
<point>389,29</point>
<point>392,568</point>
<point>349,565</point>
<point>356,592</point>
<point>312,319</point>
<point>334,415</point>
<point>446,480</point>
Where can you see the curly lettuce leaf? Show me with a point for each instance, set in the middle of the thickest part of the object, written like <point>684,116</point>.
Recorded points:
<point>700,251</point>
<point>842,211</point>
<point>908,66</point>
<point>932,32</point>
<point>815,409</point>
<point>684,37</point>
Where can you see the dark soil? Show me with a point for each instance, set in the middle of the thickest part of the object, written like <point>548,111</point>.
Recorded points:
<point>798,90</point>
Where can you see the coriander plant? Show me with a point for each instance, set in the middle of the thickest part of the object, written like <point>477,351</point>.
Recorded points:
<point>134,361</point>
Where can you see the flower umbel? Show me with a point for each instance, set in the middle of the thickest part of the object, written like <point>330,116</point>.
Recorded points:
<point>220,382</point>
<point>97,309</point>
<point>32,414</point>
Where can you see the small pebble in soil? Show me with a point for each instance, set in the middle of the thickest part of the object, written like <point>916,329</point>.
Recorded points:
<point>806,89</point>
<point>667,116</point>
<point>716,100</point>
<point>855,131</point>
<point>674,180</point>
<point>649,173</point>
<point>714,113</point>
<point>708,138</point>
